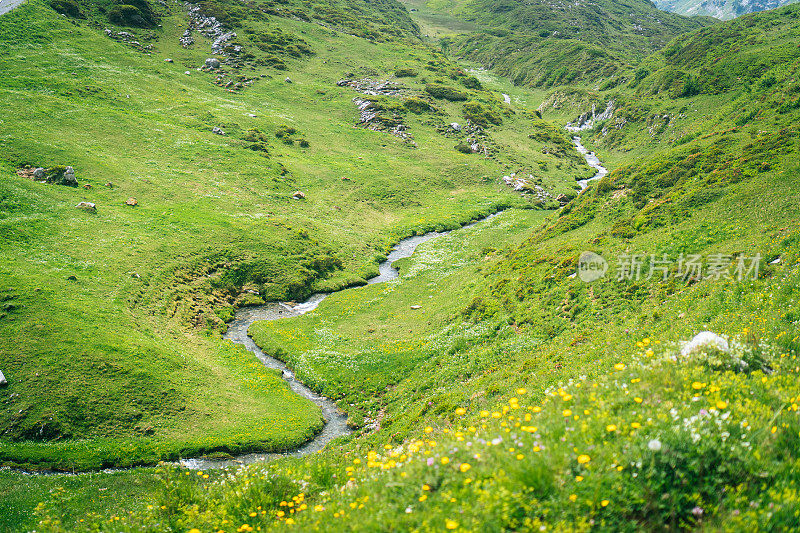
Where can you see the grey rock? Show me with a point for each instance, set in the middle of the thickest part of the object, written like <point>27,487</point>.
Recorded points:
<point>456,126</point>
<point>3,381</point>
<point>288,80</point>
<point>87,206</point>
<point>218,131</point>
<point>212,62</point>
<point>168,60</point>
<point>39,174</point>
<point>299,195</point>
<point>69,177</point>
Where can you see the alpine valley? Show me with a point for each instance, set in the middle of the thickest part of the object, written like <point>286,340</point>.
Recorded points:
<point>416,265</point>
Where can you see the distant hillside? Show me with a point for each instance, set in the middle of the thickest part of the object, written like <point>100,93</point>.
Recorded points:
<point>543,44</point>
<point>721,9</point>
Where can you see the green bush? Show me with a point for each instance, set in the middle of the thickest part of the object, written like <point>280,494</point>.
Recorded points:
<point>471,82</point>
<point>67,7</point>
<point>417,105</point>
<point>445,92</point>
<point>481,115</point>
<point>127,15</point>
<point>405,73</point>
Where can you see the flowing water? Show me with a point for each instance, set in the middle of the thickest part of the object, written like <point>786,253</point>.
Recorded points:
<point>592,161</point>
<point>335,420</point>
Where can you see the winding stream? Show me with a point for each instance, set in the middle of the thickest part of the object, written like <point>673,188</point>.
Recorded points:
<point>335,420</point>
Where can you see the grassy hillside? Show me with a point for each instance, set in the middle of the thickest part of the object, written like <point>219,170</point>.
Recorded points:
<point>541,44</point>
<point>112,318</point>
<point>513,395</point>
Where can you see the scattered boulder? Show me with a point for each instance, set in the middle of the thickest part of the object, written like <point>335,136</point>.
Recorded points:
<point>168,60</point>
<point>288,80</point>
<point>416,307</point>
<point>562,199</point>
<point>39,174</point>
<point>212,62</point>
<point>87,206</point>
<point>87,186</point>
<point>299,195</point>
<point>110,185</point>
<point>187,72</point>
<point>705,340</point>
<point>69,178</point>
<point>218,131</point>
<point>456,126</point>
<point>131,202</point>
<point>3,381</point>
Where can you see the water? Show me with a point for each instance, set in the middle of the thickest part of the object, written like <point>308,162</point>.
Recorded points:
<point>592,161</point>
<point>335,420</point>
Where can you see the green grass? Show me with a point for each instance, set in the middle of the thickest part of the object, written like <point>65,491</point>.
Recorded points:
<point>501,314</point>
<point>125,364</point>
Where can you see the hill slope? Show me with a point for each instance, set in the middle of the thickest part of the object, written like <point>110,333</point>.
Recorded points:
<point>517,396</point>
<point>216,185</point>
<point>542,44</point>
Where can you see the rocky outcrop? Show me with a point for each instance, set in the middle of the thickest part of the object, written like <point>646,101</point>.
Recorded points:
<point>128,38</point>
<point>3,381</point>
<point>87,206</point>
<point>374,87</point>
<point>588,120</point>
<point>213,30</point>
<point>69,177</point>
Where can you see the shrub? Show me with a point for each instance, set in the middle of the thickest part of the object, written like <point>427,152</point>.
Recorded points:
<point>472,82</point>
<point>444,92</point>
<point>285,131</point>
<point>405,73</point>
<point>127,15</point>
<point>255,135</point>
<point>417,105</point>
<point>480,114</point>
<point>67,7</point>
<point>464,148</point>
<point>303,143</point>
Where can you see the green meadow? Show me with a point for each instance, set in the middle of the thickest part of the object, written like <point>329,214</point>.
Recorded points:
<point>488,387</point>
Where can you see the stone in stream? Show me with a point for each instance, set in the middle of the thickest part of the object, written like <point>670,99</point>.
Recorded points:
<point>3,381</point>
